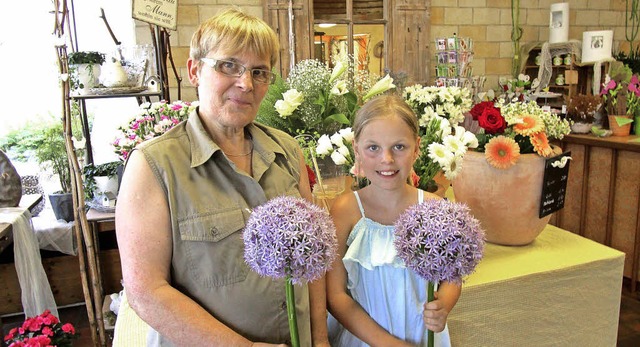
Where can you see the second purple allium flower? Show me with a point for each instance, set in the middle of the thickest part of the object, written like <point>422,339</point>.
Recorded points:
<point>290,237</point>
<point>439,240</point>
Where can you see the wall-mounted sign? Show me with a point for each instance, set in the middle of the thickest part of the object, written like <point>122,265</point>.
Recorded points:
<point>159,12</point>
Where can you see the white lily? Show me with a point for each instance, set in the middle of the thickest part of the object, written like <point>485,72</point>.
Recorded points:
<point>337,71</point>
<point>380,87</point>
<point>340,88</point>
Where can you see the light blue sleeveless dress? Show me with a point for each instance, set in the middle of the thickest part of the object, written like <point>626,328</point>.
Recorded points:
<point>379,281</point>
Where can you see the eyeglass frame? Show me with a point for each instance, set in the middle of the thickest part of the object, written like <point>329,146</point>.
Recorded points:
<point>214,63</point>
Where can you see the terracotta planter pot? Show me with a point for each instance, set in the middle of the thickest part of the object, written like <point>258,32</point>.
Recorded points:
<point>617,130</point>
<point>506,202</point>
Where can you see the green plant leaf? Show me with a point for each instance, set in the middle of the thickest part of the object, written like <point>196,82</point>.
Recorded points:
<point>338,117</point>
<point>622,121</point>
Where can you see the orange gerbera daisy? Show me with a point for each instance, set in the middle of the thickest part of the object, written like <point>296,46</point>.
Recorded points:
<point>502,152</point>
<point>541,144</point>
<point>531,124</point>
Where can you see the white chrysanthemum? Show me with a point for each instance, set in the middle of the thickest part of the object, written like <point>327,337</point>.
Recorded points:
<point>453,168</point>
<point>454,144</point>
<point>440,153</point>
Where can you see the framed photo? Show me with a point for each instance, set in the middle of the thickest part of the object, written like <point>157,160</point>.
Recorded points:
<point>441,44</point>
<point>163,13</point>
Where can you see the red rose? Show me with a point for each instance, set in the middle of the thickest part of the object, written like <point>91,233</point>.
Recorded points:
<point>492,121</point>
<point>477,109</point>
<point>312,177</point>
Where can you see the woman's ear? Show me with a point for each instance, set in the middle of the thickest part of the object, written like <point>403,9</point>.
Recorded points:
<point>416,154</point>
<point>193,69</point>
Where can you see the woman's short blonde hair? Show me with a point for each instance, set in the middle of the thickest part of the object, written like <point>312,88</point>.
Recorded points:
<point>385,106</point>
<point>233,31</point>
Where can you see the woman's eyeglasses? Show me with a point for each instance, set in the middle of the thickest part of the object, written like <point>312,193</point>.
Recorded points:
<point>234,69</point>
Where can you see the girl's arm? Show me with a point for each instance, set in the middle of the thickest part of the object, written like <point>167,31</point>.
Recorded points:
<point>346,310</point>
<point>436,312</point>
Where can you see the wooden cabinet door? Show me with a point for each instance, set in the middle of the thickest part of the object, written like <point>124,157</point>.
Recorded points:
<point>408,40</point>
<point>276,13</point>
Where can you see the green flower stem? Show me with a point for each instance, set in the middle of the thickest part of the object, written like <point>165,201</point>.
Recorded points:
<point>291,313</point>
<point>430,298</point>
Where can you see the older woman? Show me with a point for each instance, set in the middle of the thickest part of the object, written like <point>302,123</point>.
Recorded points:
<point>186,195</point>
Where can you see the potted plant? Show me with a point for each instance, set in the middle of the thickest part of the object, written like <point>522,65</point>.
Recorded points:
<point>84,68</point>
<point>100,178</point>
<point>51,153</point>
<point>581,111</point>
<point>615,93</point>
<point>44,142</point>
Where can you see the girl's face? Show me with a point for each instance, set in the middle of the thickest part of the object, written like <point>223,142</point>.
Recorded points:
<point>386,150</point>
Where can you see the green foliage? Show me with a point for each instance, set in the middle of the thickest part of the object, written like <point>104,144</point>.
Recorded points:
<point>88,57</point>
<point>43,140</point>
<point>268,115</point>
<point>632,60</point>
<point>91,171</point>
<point>51,153</point>
<point>425,166</point>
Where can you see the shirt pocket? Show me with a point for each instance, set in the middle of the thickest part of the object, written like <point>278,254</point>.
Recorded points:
<point>214,247</point>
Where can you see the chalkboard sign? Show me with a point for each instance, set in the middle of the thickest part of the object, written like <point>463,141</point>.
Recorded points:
<point>159,12</point>
<point>554,184</point>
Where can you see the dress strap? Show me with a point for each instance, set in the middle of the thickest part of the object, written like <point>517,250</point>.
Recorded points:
<point>420,196</point>
<point>359,203</point>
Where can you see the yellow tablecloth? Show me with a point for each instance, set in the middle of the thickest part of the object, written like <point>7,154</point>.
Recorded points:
<point>561,290</point>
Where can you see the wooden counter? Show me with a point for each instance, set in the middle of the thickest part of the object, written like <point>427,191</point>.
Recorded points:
<point>603,194</point>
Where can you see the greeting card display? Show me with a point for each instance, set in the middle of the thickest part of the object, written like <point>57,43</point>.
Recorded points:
<point>454,56</point>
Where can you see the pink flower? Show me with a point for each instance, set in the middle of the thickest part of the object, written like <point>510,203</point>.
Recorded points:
<point>68,328</point>
<point>609,86</point>
<point>634,85</point>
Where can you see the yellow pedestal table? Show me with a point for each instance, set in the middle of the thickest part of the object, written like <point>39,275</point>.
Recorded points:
<point>560,290</point>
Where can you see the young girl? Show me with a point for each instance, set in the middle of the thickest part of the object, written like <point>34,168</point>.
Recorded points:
<point>376,300</point>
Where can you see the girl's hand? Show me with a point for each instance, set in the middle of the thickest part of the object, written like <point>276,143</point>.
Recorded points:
<point>435,315</point>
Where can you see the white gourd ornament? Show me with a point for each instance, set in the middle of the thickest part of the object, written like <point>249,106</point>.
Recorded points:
<point>113,74</point>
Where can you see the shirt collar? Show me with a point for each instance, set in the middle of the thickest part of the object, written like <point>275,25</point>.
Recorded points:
<point>203,147</point>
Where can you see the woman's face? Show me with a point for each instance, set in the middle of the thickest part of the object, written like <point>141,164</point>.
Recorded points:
<point>229,100</point>
<point>386,150</point>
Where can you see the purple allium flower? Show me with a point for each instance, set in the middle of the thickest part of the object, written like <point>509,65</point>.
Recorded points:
<point>290,237</point>
<point>439,240</point>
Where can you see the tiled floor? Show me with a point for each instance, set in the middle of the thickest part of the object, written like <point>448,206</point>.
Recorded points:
<point>628,329</point>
